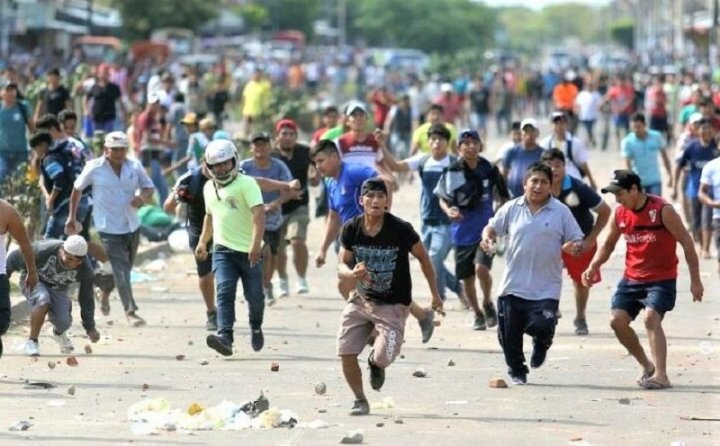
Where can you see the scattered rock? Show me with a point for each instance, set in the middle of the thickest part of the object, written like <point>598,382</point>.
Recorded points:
<point>110,322</point>
<point>88,350</point>
<point>451,363</point>
<point>322,411</point>
<point>320,388</point>
<point>179,357</point>
<point>71,390</point>
<point>21,425</point>
<point>624,401</point>
<point>145,387</point>
<point>419,373</point>
<point>71,361</point>
<point>354,437</point>
<point>38,385</point>
<point>51,364</point>
<point>203,362</point>
<point>379,424</point>
<point>398,420</point>
<point>274,367</point>
<point>190,343</point>
<point>498,383</point>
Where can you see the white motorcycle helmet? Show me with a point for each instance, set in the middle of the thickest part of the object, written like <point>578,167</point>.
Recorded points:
<point>219,151</point>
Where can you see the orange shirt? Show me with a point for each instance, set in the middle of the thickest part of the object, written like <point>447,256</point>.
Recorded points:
<point>564,96</point>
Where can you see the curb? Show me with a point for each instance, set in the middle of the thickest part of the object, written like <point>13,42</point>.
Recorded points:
<point>149,251</point>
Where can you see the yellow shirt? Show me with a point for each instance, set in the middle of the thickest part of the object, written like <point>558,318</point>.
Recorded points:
<point>420,137</point>
<point>253,99</point>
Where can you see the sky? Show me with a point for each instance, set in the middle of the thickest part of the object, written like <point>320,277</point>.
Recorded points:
<point>539,4</point>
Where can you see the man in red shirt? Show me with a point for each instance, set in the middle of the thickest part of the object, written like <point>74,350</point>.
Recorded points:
<point>621,97</point>
<point>656,105</point>
<point>651,229</point>
<point>381,102</point>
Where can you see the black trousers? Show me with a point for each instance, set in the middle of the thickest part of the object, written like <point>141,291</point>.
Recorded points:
<point>517,317</point>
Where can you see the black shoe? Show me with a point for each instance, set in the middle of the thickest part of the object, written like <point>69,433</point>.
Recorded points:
<point>518,378</point>
<point>490,315</point>
<point>220,344</point>
<point>257,340</point>
<point>211,323</point>
<point>539,354</point>
<point>377,374</point>
<point>360,407</point>
<point>479,322</point>
<point>426,326</point>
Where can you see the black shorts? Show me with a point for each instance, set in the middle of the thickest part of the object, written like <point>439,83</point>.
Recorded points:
<point>701,214</point>
<point>466,257</point>
<point>659,123</point>
<point>272,240</point>
<point>204,267</point>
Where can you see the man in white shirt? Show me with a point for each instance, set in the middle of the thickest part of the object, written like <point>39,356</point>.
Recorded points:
<point>572,147</point>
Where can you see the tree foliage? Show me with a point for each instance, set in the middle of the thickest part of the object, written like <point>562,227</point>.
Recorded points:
<point>292,14</point>
<point>429,25</point>
<point>141,17</point>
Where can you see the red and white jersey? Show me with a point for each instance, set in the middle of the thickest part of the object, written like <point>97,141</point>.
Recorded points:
<point>366,152</point>
<point>650,255</point>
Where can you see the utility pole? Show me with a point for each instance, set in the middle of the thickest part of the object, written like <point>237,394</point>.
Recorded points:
<point>342,23</point>
<point>89,22</point>
<point>713,36</point>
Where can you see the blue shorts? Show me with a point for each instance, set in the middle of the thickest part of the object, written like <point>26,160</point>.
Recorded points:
<point>632,297</point>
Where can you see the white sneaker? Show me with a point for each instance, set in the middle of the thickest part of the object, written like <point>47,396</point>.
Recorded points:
<point>302,286</point>
<point>66,345</point>
<point>284,288</point>
<point>32,348</point>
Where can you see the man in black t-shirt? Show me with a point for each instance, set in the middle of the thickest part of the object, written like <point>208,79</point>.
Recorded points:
<point>374,255</point>
<point>102,101</point>
<point>296,214</point>
<point>54,98</point>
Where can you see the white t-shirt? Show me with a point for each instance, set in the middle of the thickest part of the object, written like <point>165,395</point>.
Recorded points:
<point>580,154</point>
<point>711,176</point>
<point>588,103</point>
<point>430,165</point>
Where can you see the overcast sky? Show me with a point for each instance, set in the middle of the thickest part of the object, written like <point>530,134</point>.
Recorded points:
<point>539,4</point>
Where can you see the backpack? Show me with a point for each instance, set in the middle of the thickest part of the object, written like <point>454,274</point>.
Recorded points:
<point>570,156</point>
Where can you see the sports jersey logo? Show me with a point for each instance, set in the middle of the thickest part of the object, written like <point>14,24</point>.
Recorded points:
<point>232,202</point>
<point>653,215</point>
<point>622,225</point>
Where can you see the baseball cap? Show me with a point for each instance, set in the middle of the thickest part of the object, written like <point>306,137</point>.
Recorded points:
<point>221,134</point>
<point>207,123</point>
<point>695,118</point>
<point>375,184</point>
<point>8,84</point>
<point>76,246</point>
<point>260,136</point>
<point>468,134</point>
<point>353,106</point>
<point>153,98</point>
<point>116,139</point>
<point>286,123</point>
<point>622,179</point>
<point>189,118</point>
<point>446,88</point>
<point>529,122</point>
<point>556,115</point>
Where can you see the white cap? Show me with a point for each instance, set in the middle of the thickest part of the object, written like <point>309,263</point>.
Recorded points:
<point>695,117</point>
<point>76,246</point>
<point>355,105</point>
<point>153,98</point>
<point>446,88</point>
<point>531,122</point>
<point>116,139</point>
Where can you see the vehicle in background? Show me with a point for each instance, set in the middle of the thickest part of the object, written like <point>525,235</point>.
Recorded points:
<point>181,41</point>
<point>100,48</point>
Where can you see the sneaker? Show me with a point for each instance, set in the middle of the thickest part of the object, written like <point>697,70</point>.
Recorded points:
<point>220,344</point>
<point>284,287</point>
<point>518,378</point>
<point>302,286</point>
<point>490,315</point>
<point>66,345</point>
<point>360,407</point>
<point>539,353</point>
<point>377,374</point>
<point>257,339</point>
<point>211,323</point>
<point>32,348</point>
<point>269,297</point>
<point>426,326</point>
<point>479,322</point>
<point>135,321</point>
<point>93,335</point>
<point>581,327</point>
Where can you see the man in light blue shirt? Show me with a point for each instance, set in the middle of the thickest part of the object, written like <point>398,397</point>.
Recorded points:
<point>120,187</point>
<point>537,228</point>
<point>14,119</point>
<point>640,149</point>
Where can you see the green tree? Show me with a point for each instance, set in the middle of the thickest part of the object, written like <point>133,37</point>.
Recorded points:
<point>428,25</point>
<point>255,16</point>
<point>141,17</point>
<point>292,14</point>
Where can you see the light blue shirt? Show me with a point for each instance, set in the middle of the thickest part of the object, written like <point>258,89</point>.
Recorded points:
<point>112,194</point>
<point>12,128</point>
<point>277,170</point>
<point>644,155</point>
<point>534,245</point>
<point>711,176</point>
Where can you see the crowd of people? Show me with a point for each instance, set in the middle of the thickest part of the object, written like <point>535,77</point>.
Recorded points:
<point>536,204</point>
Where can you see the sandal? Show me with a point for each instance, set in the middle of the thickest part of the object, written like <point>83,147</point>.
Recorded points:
<point>652,384</point>
<point>135,321</point>
<point>646,374</point>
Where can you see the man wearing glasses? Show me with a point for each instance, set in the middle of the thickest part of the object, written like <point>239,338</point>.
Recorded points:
<point>120,187</point>
<point>58,264</point>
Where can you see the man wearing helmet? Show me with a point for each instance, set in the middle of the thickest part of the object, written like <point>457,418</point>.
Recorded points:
<point>235,220</point>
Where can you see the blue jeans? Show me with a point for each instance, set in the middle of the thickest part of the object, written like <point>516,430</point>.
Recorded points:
<point>436,239</point>
<point>229,266</point>
<point>158,179</point>
<point>122,249</point>
<point>9,162</point>
<point>55,227</point>
<point>653,189</point>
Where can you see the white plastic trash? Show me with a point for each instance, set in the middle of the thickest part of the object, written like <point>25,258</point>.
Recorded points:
<point>179,241</point>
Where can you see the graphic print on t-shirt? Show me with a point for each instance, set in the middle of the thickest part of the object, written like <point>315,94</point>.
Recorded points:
<point>380,263</point>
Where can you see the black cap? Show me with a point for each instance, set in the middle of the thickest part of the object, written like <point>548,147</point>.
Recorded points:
<point>622,179</point>
<point>375,184</point>
<point>260,136</point>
